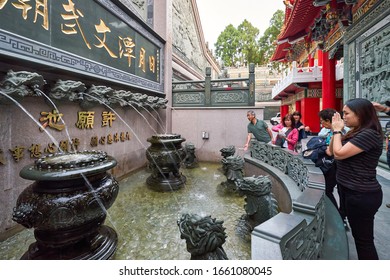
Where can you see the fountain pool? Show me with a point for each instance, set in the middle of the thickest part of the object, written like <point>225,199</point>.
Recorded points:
<point>146,220</point>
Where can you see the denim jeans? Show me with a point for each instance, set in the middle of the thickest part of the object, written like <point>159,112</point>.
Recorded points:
<point>360,208</point>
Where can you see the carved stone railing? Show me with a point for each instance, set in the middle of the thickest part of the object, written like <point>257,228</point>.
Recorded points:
<point>215,93</point>
<point>312,227</point>
<point>283,160</point>
<point>298,235</point>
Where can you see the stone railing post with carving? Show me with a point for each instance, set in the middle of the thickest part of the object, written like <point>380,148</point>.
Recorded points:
<point>283,160</point>
<point>302,235</point>
<point>252,83</point>
<point>207,86</point>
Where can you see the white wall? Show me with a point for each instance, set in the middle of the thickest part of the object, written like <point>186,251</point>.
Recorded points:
<point>226,126</point>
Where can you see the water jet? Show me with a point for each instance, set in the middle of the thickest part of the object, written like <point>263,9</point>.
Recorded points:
<point>67,206</point>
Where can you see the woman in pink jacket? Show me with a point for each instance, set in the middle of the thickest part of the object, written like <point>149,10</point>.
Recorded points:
<point>287,136</point>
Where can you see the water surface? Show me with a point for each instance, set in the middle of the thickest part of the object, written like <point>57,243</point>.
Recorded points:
<point>145,220</point>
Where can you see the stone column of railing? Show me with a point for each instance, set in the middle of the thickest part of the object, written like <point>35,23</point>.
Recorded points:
<point>298,235</point>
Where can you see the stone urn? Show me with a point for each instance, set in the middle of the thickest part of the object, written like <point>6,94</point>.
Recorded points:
<point>165,155</point>
<point>67,206</point>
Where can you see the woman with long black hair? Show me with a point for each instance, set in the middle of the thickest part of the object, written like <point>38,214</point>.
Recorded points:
<point>357,154</point>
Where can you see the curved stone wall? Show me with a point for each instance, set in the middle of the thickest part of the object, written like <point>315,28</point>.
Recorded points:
<point>301,230</point>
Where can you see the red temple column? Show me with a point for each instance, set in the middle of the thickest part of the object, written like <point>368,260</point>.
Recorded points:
<point>309,110</point>
<point>328,82</point>
<point>283,111</point>
<point>298,105</point>
<point>320,57</point>
<point>311,60</point>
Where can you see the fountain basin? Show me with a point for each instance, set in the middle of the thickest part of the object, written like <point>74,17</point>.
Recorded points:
<point>67,206</point>
<point>146,220</point>
<point>165,156</point>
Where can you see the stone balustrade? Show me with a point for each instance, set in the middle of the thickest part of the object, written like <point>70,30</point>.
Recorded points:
<point>282,159</point>
<point>309,226</point>
<point>298,75</point>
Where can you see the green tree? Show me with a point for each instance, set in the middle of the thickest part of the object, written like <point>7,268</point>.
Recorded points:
<point>238,46</point>
<point>267,42</point>
<point>248,42</point>
<point>227,45</point>
<point>242,45</point>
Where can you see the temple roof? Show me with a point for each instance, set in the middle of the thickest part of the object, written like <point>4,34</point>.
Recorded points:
<point>299,17</point>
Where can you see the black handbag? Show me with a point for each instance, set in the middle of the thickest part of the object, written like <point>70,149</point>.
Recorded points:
<point>279,141</point>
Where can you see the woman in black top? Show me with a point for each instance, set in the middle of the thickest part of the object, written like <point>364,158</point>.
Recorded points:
<point>357,154</point>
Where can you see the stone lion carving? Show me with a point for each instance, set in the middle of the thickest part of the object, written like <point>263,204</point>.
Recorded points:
<point>228,151</point>
<point>190,158</point>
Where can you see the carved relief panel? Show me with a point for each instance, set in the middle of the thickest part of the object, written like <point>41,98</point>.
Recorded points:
<point>351,71</point>
<point>374,54</point>
<point>367,56</point>
<point>185,40</point>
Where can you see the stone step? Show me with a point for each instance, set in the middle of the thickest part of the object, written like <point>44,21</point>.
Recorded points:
<point>314,170</point>
<point>315,185</point>
<point>316,178</point>
<point>305,161</point>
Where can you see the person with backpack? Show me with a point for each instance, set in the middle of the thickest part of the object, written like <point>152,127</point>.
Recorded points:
<point>301,129</point>
<point>329,170</point>
<point>357,156</point>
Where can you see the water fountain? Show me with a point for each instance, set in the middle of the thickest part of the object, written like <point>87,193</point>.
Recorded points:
<point>165,156</point>
<point>67,206</point>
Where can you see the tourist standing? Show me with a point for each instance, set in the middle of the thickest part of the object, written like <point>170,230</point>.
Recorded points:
<point>357,154</point>
<point>301,129</point>
<point>287,136</point>
<point>258,128</point>
<point>330,172</point>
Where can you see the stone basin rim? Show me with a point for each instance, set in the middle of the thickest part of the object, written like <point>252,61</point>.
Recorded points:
<point>32,172</point>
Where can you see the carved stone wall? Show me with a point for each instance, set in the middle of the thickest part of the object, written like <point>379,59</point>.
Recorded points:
<point>186,42</point>
<point>140,8</point>
<point>367,54</point>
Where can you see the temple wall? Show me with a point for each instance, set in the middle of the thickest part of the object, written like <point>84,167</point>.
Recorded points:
<point>21,133</point>
<point>21,141</point>
<point>225,127</point>
<point>367,53</point>
<point>190,55</point>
